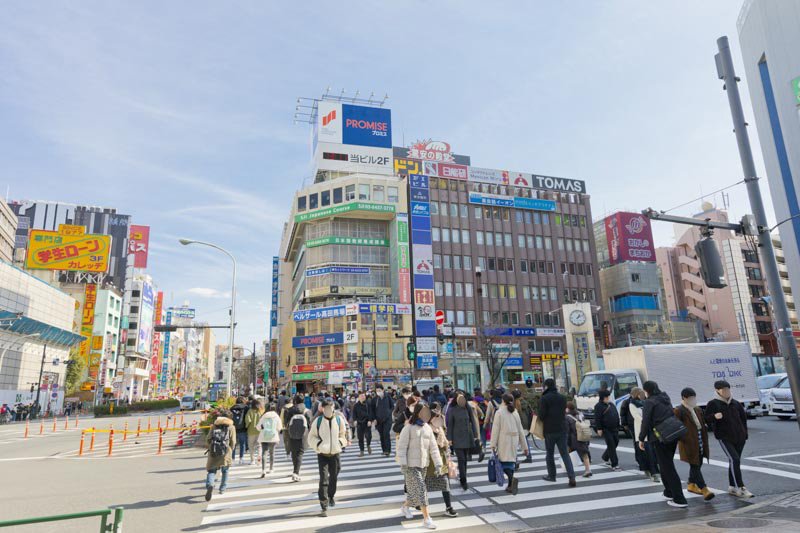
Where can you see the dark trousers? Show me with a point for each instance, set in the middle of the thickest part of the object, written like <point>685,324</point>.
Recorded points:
<point>364,432</point>
<point>462,454</point>
<point>386,440</point>
<point>551,440</point>
<point>734,452</point>
<point>297,450</point>
<point>612,441</point>
<point>329,466</point>
<point>696,476</point>
<point>646,459</point>
<point>669,476</point>
<point>241,442</point>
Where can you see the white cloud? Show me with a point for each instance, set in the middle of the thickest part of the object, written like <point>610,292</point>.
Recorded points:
<point>207,292</point>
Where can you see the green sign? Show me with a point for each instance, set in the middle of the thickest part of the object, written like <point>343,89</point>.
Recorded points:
<point>306,376</point>
<point>796,90</point>
<point>331,239</point>
<point>402,232</point>
<point>344,208</point>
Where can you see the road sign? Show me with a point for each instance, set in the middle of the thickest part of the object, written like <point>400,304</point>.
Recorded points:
<point>440,317</point>
<point>373,371</point>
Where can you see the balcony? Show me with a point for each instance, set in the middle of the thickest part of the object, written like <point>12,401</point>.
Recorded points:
<point>690,262</point>
<point>692,278</point>
<point>696,312</point>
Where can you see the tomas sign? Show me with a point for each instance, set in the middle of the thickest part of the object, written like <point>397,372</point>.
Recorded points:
<point>341,123</point>
<point>69,248</point>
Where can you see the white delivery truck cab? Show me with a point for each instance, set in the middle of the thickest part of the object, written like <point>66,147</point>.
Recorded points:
<point>673,367</point>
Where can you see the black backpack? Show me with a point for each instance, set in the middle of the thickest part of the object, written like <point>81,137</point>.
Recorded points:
<point>219,441</point>
<point>237,415</point>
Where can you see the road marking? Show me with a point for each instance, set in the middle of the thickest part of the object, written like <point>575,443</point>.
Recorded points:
<point>792,465</point>
<point>774,455</point>
<point>592,505</point>
<point>575,491</point>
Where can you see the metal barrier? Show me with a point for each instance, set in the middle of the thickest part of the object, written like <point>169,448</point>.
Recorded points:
<point>105,514</point>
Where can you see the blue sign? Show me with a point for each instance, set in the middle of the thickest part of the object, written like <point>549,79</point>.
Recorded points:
<point>512,201</point>
<point>323,339</point>
<point>419,181</point>
<point>525,332</point>
<point>427,361</point>
<point>423,281</point>
<point>420,195</point>
<point>310,272</point>
<point>534,203</point>
<point>366,126</point>
<point>421,208</point>
<point>422,223</point>
<point>320,312</point>
<point>281,373</point>
<point>385,309</point>
<point>483,199</point>
<point>422,236</point>
<point>513,362</point>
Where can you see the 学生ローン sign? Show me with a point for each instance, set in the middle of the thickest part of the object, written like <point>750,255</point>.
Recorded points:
<point>69,248</point>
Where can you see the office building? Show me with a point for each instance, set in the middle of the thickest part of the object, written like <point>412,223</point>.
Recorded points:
<point>8,230</point>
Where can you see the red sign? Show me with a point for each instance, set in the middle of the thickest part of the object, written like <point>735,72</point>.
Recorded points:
<point>445,170</point>
<point>321,367</point>
<point>423,296</point>
<point>440,317</point>
<point>629,238</point>
<point>404,287</point>
<point>138,244</point>
<point>431,150</point>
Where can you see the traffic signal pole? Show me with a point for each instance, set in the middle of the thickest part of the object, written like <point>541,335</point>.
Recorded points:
<point>786,342</point>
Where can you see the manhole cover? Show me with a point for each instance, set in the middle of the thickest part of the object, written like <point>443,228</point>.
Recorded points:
<point>739,523</point>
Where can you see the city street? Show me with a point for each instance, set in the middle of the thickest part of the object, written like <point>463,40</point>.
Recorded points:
<point>165,493</point>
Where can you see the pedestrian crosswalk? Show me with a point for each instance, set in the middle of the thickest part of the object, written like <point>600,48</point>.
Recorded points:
<point>370,493</point>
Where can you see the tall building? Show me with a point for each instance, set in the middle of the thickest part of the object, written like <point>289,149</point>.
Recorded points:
<point>769,41</point>
<point>105,336</point>
<point>137,337</point>
<point>8,230</point>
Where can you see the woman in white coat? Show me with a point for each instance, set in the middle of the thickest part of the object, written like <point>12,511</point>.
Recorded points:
<point>507,437</point>
<point>417,447</point>
<point>270,427</point>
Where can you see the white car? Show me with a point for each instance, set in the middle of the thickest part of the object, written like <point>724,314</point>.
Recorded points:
<point>765,383</point>
<point>187,403</point>
<point>781,403</point>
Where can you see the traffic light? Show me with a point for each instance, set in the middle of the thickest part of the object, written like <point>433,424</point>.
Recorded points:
<point>165,328</point>
<point>710,263</point>
<point>411,350</point>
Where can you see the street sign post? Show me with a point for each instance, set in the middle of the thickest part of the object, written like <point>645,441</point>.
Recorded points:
<point>439,317</point>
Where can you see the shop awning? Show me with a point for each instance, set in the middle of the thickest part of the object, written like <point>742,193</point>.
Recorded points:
<point>22,325</point>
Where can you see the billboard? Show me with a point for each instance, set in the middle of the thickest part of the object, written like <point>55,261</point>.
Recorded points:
<point>87,325</point>
<point>488,175</point>
<point>445,170</point>
<point>403,263</point>
<point>155,365</point>
<point>344,208</point>
<point>347,158</point>
<point>146,309</point>
<point>422,271</point>
<point>183,312</point>
<point>139,244</point>
<point>325,339</point>
<point>355,125</point>
<point>69,248</point>
<point>273,312</point>
<point>629,237</point>
<point>534,204</point>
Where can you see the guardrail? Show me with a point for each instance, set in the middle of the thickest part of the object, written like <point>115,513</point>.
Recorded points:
<point>105,514</point>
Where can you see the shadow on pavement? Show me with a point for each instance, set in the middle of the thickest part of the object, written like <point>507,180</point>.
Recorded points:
<point>149,504</point>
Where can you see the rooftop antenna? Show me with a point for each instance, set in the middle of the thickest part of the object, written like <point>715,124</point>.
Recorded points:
<point>356,96</point>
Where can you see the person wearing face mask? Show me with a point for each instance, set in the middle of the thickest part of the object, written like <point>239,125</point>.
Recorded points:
<point>348,413</point>
<point>401,411</point>
<point>507,436</point>
<point>728,419</point>
<point>437,480</point>
<point>462,434</point>
<point>693,447</point>
<point>327,437</point>
<point>382,407</point>
<point>416,448</point>
<point>362,415</point>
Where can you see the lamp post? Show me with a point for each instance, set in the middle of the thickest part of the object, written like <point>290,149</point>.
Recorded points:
<point>38,407</point>
<point>186,242</point>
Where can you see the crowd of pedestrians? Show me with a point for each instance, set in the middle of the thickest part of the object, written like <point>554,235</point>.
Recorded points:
<point>438,433</point>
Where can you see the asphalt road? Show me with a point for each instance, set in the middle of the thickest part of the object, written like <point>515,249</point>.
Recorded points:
<point>43,475</point>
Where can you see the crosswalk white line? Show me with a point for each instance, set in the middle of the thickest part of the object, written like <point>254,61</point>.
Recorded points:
<point>575,491</point>
<point>542,483</point>
<point>446,524</point>
<point>592,505</point>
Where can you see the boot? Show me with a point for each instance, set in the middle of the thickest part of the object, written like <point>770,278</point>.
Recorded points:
<point>693,488</point>
<point>707,494</point>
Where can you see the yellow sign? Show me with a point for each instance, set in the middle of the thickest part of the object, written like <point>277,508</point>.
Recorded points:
<point>97,342</point>
<point>69,248</point>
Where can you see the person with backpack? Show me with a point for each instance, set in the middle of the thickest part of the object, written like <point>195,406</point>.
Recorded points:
<point>660,426</point>
<point>552,413</point>
<point>579,435</point>
<point>220,443</point>
<point>491,410</point>
<point>728,419</point>
<point>507,436</point>
<point>646,459</point>
<point>462,433</point>
<point>269,429</point>
<point>693,447</point>
<point>296,421</point>
<point>382,407</point>
<point>238,414</point>
<point>328,437</point>
<point>251,420</point>
<point>606,423</point>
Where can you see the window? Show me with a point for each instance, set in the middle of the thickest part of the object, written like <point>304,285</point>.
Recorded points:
<point>518,216</point>
<point>490,264</point>
<point>435,235</point>
<point>508,240</point>
<point>337,195</point>
<point>553,294</point>
<point>437,261</point>
<point>397,351</point>
<point>572,269</point>
<point>134,310</point>
<point>383,351</point>
<point>482,263</point>
<point>350,193</point>
<point>443,209</point>
<point>397,322</point>
<point>545,218</point>
<point>456,235</point>
<point>523,265</point>
<point>493,290</point>
<point>526,293</point>
<point>325,198</point>
<point>479,237</point>
<point>464,236</point>
<point>301,203</point>
<point>560,243</point>
<point>539,242</point>
<point>451,317</point>
<point>459,289</point>
<point>521,241</point>
<point>548,243</point>
<point>543,293</point>
<point>763,327</point>
<point>378,193</point>
<point>453,210</point>
<point>446,262</point>
<point>468,290</point>
<point>635,277</point>
<point>569,245</point>
<point>363,191</point>
<point>445,234</point>
<point>529,239</point>
<point>457,262</point>
<point>366,320</point>
<point>509,265</point>
<point>393,196</point>
<point>464,211</point>
<point>514,318</point>
<point>534,293</point>
<point>501,264</point>
<point>580,269</point>
<point>470,318</point>
<point>528,318</point>
<point>467,262</point>
<point>588,269</point>
<point>760,309</point>
<point>438,288</point>
<point>313,202</point>
<point>512,291</point>
<point>476,211</point>
<point>489,238</point>
<point>434,207</point>
<point>448,289</point>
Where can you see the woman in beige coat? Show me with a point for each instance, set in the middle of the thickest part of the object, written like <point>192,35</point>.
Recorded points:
<point>417,447</point>
<point>507,437</point>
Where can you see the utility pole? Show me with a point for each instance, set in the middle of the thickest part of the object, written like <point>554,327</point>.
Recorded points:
<point>453,348</point>
<point>39,383</point>
<point>253,369</point>
<point>786,342</point>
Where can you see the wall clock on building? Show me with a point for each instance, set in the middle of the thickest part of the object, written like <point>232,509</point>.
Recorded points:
<point>577,317</point>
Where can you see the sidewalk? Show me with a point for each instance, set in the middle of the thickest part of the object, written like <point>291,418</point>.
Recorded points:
<point>776,513</point>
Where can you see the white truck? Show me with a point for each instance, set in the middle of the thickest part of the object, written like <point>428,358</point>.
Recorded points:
<point>673,367</point>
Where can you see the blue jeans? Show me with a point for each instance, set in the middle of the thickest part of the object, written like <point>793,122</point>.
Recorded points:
<point>212,474</point>
<point>241,442</point>
<point>551,440</point>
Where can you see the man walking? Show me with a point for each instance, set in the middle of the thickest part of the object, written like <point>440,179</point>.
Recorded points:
<point>362,415</point>
<point>606,423</point>
<point>552,412</point>
<point>238,414</point>
<point>382,406</point>
<point>327,437</point>
<point>296,422</point>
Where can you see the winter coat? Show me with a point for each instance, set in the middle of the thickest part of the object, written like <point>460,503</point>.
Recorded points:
<point>635,410</point>
<point>689,445</point>
<point>328,436</point>
<point>439,398</point>
<point>382,408</point>
<point>606,416</point>
<point>251,420</point>
<point>572,434</point>
<point>416,447</point>
<point>625,416</point>
<point>732,427</point>
<point>444,450</point>
<point>295,444</point>
<point>491,410</point>
<point>362,412</point>
<point>525,416</point>
<point>552,412</point>
<point>282,402</point>
<point>507,434</point>
<point>462,428</point>
<point>215,462</point>
<point>240,407</point>
<point>278,426</point>
<point>657,408</point>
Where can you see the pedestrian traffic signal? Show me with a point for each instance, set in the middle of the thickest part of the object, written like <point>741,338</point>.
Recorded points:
<point>411,350</point>
<point>710,263</point>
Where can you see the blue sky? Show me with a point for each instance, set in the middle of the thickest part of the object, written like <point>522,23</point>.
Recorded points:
<point>180,113</point>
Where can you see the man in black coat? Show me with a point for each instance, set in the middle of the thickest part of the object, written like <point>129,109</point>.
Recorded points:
<point>552,413</point>
<point>382,407</point>
<point>728,419</point>
<point>362,415</point>
<point>606,423</point>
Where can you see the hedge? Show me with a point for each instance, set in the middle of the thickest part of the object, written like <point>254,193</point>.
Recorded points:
<point>123,409</point>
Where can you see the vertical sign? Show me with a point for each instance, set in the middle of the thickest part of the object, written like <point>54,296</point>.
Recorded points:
<point>422,268</point>
<point>139,244</point>
<point>87,325</point>
<point>580,342</point>
<point>273,315</point>
<point>154,353</point>
<point>403,259</point>
<point>165,360</point>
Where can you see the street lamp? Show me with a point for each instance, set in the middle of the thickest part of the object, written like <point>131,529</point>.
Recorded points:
<point>186,242</point>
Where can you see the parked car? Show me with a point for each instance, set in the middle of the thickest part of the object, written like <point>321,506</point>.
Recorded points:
<point>765,383</point>
<point>781,402</point>
<point>187,403</point>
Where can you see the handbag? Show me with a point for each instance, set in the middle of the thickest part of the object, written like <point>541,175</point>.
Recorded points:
<point>499,475</point>
<point>452,470</point>
<point>537,428</point>
<point>669,430</point>
<point>492,469</point>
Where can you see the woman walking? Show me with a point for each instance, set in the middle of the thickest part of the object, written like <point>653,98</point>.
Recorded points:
<point>575,444</point>
<point>251,420</point>
<point>646,459</point>
<point>417,447</point>
<point>657,409</point>
<point>436,480</point>
<point>462,433</point>
<point>693,447</point>
<point>507,436</point>
<point>270,428</point>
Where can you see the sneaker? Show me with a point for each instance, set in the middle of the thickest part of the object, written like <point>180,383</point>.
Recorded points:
<point>514,486</point>
<point>406,512</point>
<point>656,478</point>
<point>361,454</point>
<point>269,471</point>
<point>222,490</point>
<point>572,482</point>
<point>369,450</point>
<point>664,494</point>
<point>734,491</point>
<point>528,459</point>
<point>263,475</point>
<point>587,474</point>
<point>744,493</point>
<point>297,478</point>
<point>323,513</point>
<point>616,469</point>
<point>209,491</point>
<point>673,503</point>
<point>428,523</point>
<point>332,502</point>
<point>251,463</point>
<point>450,512</point>
<point>548,478</point>
<point>607,463</point>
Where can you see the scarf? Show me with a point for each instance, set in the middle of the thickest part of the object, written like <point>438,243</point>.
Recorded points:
<point>693,413</point>
<point>419,422</point>
<point>720,398</point>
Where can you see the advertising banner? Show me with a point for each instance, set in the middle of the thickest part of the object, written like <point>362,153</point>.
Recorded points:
<point>404,167</point>
<point>155,352</point>
<point>311,272</point>
<point>444,170</point>
<point>325,312</point>
<point>139,244</point>
<point>183,312</point>
<point>427,361</point>
<point>331,239</point>
<point>342,123</point>
<point>385,309</point>
<point>488,175</point>
<point>344,208</point>
<point>273,314</point>
<point>318,340</point>
<point>165,358</point>
<point>87,325</point>
<point>580,343</point>
<point>535,204</point>
<point>409,154</point>
<point>551,183</point>
<point>422,266</point>
<point>629,237</point>
<point>69,248</point>
<point>146,308</point>
<point>348,158</point>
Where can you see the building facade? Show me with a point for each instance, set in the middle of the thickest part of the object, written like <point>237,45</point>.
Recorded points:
<point>105,336</point>
<point>8,231</point>
<point>137,339</point>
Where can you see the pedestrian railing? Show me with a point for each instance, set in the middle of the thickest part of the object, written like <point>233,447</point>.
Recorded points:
<point>105,515</point>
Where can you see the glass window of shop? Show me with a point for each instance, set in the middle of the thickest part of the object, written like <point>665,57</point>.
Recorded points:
<point>312,356</point>
<point>300,356</point>
<point>378,193</point>
<point>350,193</point>
<point>397,351</point>
<point>363,191</point>
<point>337,195</point>
<point>382,322</point>
<point>301,203</point>
<point>313,201</point>
<point>397,322</point>
<point>324,354</point>
<point>325,198</point>
<point>383,351</point>
<point>366,320</point>
<point>300,329</point>
<point>392,195</point>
